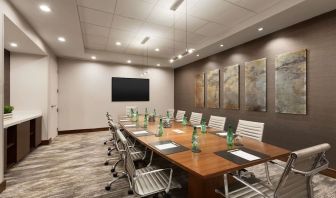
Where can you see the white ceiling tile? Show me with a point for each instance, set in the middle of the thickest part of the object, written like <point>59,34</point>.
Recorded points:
<point>94,46</point>
<point>221,12</point>
<point>255,5</point>
<point>134,9</point>
<point>95,39</point>
<point>95,30</point>
<point>124,23</point>
<point>103,5</point>
<point>211,29</point>
<point>95,17</point>
<point>154,30</point>
<point>193,22</point>
<point>161,16</point>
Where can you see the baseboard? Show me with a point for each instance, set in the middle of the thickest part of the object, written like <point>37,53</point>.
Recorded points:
<point>82,130</point>
<point>2,186</point>
<point>46,142</point>
<point>329,172</point>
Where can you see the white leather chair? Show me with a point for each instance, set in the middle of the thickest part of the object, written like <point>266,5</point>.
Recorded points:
<point>195,118</point>
<point>217,122</point>
<point>179,114</point>
<point>250,129</point>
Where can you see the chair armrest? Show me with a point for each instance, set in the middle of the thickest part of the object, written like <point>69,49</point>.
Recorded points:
<point>278,165</point>
<point>312,172</point>
<point>249,185</point>
<point>155,171</point>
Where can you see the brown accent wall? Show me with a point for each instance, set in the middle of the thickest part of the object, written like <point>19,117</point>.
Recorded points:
<point>6,77</point>
<point>318,36</point>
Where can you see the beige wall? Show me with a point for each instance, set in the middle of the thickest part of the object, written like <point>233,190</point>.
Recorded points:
<point>29,85</point>
<point>85,92</point>
<point>1,96</point>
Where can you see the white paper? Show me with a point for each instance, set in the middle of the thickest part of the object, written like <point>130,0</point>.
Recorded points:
<point>140,132</point>
<point>129,125</point>
<point>198,126</point>
<point>178,131</point>
<point>124,120</point>
<point>178,120</point>
<point>165,146</point>
<point>222,134</point>
<point>245,155</point>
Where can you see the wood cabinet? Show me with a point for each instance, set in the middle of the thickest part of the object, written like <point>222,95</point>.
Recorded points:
<point>20,140</point>
<point>23,140</point>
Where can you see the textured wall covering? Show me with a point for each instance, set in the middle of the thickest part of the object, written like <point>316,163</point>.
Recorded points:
<point>199,90</point>
<point>231,87</point>
<point>318,36</point>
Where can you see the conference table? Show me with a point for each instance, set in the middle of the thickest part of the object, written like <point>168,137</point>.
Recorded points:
<point>206,169</point>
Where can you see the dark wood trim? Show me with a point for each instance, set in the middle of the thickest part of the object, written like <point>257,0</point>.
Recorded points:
<point>2,186</point>
<point>46,142</point>
<point>82,130</point>
<point>329,172</point>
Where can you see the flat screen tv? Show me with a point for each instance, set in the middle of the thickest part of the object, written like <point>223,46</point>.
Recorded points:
<point>130,89</point>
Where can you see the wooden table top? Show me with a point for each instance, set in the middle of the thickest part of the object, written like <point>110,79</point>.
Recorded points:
<point>206,163</point>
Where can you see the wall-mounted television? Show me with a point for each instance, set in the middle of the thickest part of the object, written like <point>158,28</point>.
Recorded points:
<point>130,89</point>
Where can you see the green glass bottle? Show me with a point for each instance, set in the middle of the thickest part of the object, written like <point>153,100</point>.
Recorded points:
<point>146,111</point>
<point>154,113</point>
<point>195,148</point>
<point>131,113</point>
<point>160,128</point>
<point>137,116</point>
<point>146,121</point>
<point>168,116</point>
<point>184,120</point>
<point>229,137</point>
<point>203,126</point>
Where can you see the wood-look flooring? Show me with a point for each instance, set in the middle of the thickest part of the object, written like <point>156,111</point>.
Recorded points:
<point>72,166</point>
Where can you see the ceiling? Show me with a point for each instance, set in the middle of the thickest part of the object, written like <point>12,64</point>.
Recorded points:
<point>13,34</point>
<point>92,27</point>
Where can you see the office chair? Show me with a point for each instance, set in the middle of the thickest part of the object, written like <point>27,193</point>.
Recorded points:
<point>195,118</point>
<point>295,180</point>
<point>217,122</point>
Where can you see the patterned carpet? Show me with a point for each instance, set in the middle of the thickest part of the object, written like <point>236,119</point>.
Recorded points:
<point>72,166</point>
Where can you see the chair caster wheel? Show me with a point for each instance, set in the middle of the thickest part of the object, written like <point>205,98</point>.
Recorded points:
<point>109,154</point>
<point>130,192</point>
<point>108,188</point>
<point>115,174</point>
<point>109,148</point>
<point>104,143</point>
<point>112,170</point>
<point>106,163</point>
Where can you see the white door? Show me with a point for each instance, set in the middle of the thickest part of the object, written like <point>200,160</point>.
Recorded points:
<point>53,99</point>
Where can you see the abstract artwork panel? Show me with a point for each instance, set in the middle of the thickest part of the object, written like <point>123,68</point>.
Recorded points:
<point>290,82</point>
<point>255,85</point>
<point>231,87</point>
<point>213,89</point>
<point>199,90</point>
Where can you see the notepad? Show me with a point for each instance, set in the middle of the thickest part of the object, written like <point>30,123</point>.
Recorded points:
<point>178,131</point>
<point>129,125</point>
<point>244,155</point>
<point>139,132</point>
<point>125,120</point>
<point>198,126</point>
<point>178,120</point>
<point>165,146</point>
<point>222,134</point>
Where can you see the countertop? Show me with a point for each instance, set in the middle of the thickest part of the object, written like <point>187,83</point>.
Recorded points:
<point>21,116</point>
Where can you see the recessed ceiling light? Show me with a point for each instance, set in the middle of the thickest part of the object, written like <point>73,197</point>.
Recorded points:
<point>191,50</point>
<point>45,8</point>
<point>93,57</point>
<point>171,60</point>
<point>158,65</point>
<point>129,61</point>
<point>179,56</point>
<point>157,49</point>
<point>260,29</point>
<point>118,43</point>
<point>197,54</point>
<point>13,44</point>
<point>221,45</point>
<point>61,39</point>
